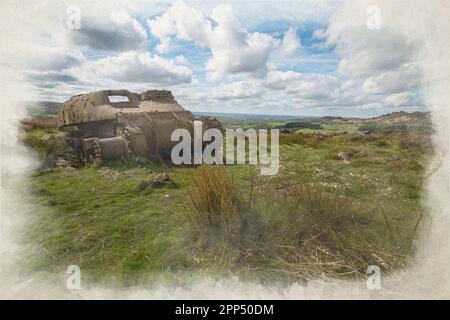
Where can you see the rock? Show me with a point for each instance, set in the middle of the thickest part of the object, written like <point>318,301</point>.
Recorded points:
<point>211,123</point>
<point>157,184</point>
<point>163,177</point>
<point>62,163</point>
<point>347,155</point>
<point>343,156</point>
<point>48,137</point>
<point>161,180</point>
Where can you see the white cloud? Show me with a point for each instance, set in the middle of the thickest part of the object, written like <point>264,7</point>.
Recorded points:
<point>375,67</point>
<point>53,58</point>
<point>49,78</point>
<point>291,42</point>
<point>117,31</point>
<point>312,92</point>
<point>280,90</point>
<point>320,34</point>
<point>181,60</point>
<point>406,78</point>
<point>183,21</point>
<point>237,90</point>
<point>403,99</point>
<point>366,53</point>
<point>234,49</point>
<point>34,56</point>
<point>379,62</point>
<point>307,86</point>
<point>139,67</point>
<point>45,66</point>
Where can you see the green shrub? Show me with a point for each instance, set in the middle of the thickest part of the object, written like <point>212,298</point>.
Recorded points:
<point>301,125</point>
<point>301,138</point>
<point>382,127</point>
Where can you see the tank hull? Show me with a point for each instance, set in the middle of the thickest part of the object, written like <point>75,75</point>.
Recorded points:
<point>140,126</point>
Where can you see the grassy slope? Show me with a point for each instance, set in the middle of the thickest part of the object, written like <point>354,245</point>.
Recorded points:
<point>97,217</point>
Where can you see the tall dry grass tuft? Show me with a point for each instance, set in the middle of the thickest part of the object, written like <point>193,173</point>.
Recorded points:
<point>327,235</point>
<point>301,233</point>
<point>219,217</point>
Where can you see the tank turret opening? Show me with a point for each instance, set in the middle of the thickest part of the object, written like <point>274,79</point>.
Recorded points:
<point>118,98</point>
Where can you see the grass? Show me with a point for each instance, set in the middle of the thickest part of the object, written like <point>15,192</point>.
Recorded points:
<point>327,235</point>
<point>100,220</point>
<point>377,127</point>
<point>320,216</point>
<point>216,205</point>
<point>40,140</point>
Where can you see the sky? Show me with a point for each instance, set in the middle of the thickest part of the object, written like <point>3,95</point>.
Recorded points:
<point>307,58</point>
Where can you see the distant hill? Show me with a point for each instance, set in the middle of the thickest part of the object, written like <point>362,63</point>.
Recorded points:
<point>42,107</point>
<point>330,119</point>
<point>248,116</point>
<point>413,119</point>
<point>410,119</point>
<point>52,108</point>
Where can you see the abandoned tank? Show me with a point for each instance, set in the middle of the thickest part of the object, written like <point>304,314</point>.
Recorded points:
<point>119,124</point>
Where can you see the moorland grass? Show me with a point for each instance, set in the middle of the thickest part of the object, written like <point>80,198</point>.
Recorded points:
<point>320,216</point>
